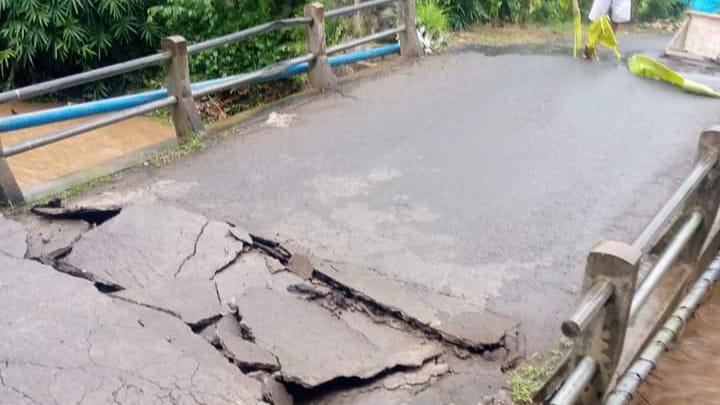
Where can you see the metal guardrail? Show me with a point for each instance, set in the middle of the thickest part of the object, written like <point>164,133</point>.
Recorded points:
<point>682,238</point>
<point>180,96</point>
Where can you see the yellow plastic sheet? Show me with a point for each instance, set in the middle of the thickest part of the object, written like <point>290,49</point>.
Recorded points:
<point>644,66</point>
<point>601,33</point>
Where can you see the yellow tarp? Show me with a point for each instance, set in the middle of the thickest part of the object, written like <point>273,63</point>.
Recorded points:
<point>644,66</point>
<point>601,33</point>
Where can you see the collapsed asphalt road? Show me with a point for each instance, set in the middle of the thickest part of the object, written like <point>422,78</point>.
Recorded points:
<point>438,218</point>
<point>486,179</point>
<point>159,304</point>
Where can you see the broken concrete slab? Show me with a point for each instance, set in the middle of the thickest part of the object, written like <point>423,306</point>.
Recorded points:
<point>145,245</point>
<point>50,238</point>
<point>215,249</point>
<point>275,392</point>
<point>194,300</point>
<point>244,353</point>
<point>13,238</point>
<point>95,214</point>
<point>64,342</point>
<point>421,376</point>
<point>455,320</point>
<point>142,246</point>
<point>315,347</point>
<point>247,272</point>
<point>300,264</point>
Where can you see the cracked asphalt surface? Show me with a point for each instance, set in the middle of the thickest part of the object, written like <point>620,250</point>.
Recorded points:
<point>484,178</point>
<point>433,224</point>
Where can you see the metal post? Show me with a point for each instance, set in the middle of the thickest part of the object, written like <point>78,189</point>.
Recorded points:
<point>185,115</point>
<point>410,45</point>
<point>321,75</point>
<point>9,190</point>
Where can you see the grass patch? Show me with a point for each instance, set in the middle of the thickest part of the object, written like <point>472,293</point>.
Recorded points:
<point>186,148</point>
<point>529,378</point>
<point>71,192</point>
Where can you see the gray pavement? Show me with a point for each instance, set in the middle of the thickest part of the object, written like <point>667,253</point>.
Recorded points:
<point>481,178</point>
<point>433,222</point>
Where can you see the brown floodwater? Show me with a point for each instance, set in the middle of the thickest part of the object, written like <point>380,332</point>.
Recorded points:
<point>689,372</point>
<point>75,154</point>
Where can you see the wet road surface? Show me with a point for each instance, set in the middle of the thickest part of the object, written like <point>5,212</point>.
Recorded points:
<point>485,178</point>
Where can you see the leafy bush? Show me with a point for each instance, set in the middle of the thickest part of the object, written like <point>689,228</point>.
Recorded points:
<point>198,20</point>
<point>50,38</point>
<point>433,15</point>
<point>646,10</point>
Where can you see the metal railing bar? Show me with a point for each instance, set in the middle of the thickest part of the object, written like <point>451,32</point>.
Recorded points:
<point>573,387</point>
<point>357,7</point>
<point>641,368</point>
<point>593,301</point>
<point>247,33</point>
<point>667,259</point>
<point>265,73</point>
<point>670,212</point>
<point>364,40</point>
<point>87,126</point>
<point>49,86</point>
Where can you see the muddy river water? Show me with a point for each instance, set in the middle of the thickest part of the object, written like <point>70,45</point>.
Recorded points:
<point>689,372</point>
<point>72,155</point>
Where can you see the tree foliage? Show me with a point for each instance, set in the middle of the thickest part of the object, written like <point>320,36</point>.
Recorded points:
<point>49,38</point>
<point>198,20</point>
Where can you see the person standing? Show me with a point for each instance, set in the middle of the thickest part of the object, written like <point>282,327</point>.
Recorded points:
<point>620,11</point>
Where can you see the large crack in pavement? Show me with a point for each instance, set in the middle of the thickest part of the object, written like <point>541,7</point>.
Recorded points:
<point>278,315</point>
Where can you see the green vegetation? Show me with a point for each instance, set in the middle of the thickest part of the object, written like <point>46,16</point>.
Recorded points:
<point>464,13</point>
<point>186,148</point>
<point>434,16</point>
<point>42,39</point>
<point>76,190</point>
<point>529,378</point>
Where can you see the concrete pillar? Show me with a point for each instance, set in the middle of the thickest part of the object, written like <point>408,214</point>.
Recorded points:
<point>185,115</point>
<point>321,75</point>
<point>617,263</point>
<point>410,45</point>
<point>9,190</point>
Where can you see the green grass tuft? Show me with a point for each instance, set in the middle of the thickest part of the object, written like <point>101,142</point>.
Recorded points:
<point>186,148</point>
<point>529,378</point>
<point>434,16</point>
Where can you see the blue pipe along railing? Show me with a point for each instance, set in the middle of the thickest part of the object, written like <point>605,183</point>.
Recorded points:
<point>180,93</point>
<point>69,112</point>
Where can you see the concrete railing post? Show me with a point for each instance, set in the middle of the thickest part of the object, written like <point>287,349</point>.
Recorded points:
<point>9,190</point>
<point>410,45</point>
<point>321,75</point>
<point>185,115</point>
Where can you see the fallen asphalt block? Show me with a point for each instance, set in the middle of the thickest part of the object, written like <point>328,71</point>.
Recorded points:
<point>63,342</point>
